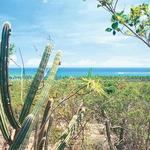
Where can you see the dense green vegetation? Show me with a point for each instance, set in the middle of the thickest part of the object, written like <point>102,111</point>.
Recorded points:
<point>126,106</point>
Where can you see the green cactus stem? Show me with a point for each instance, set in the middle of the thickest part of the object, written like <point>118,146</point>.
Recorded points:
<point>4,125</point>
<point>4,82</point>
<point>45,125</point>
<point>71,130</point>
<point>44,96</point>
<point>22,133</point>
<point>35,83</point>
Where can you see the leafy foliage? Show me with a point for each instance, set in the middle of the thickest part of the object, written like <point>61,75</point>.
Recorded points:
<point>126,105</point>
<point>12,49</point>
<point>135,22</point>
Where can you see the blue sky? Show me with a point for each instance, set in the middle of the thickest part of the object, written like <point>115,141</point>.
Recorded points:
<point>76,27</point>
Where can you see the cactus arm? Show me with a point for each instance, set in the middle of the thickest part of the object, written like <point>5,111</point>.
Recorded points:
<point>21,143</point>
<point>3,125</point>
<point>45,125</point>
<point>4,83</point>
<point>70,131</point>
<point>46,113</point>
<point>50,80</point>
<point>4,130</point>
<point>47,133</point>
<point>22,133</point>
<point>35,83</point>
<point>36,132</point>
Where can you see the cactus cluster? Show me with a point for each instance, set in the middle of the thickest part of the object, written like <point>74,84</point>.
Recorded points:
<point>6,112</point>
<point>23,126</point>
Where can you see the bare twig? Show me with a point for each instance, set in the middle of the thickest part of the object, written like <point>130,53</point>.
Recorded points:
<point>22,61</point>
<point>115,5</point>
<point>22,75</point>
<point>68,97</point>
<point>15,63</point>
<point>65,99</point>
<point>108,130</point>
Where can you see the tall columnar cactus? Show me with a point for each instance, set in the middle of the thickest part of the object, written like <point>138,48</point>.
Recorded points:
<point>26,130</point>
<point>27,121</point>
<point>35,83</point>
<point>4,82</point>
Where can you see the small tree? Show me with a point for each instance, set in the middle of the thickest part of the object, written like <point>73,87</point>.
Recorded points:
<point>135,23</point>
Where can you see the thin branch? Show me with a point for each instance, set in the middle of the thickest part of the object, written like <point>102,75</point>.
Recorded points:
<point>108,130</point>
<point>139,37</point>
<point>112,11</point>
<point>22,75</point>
<point>136,34</point>
<point>36,50</point>
<point>68,97</point>
<point>15,62</point>
<point>65,99</point>
<point>115,5</point>
<point>22,61</point>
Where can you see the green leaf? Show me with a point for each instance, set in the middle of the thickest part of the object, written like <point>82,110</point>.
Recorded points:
<point>99,5</point>
<point>108,29</point>
<point>11,49</point>
<point>114,32</point>
<point>113,18</point>
<point>120,13</point>
<point>131,24</point>
<point>138,30</point>
<point>114,25</point>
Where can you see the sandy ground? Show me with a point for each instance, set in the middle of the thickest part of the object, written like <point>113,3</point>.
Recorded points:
<point>94,137</point>
<point>2,142</point>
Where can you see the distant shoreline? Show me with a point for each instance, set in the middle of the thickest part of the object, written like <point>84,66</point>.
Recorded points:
<point>79,72</point>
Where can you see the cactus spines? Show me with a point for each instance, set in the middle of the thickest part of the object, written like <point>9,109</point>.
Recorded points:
<point>35,83</point>
<point>4,126</point>
<point>4,82</point>
<point>44,127</point>
<point>71,130</point>
<point>46,89</point>
<point>43,97</point>
<point>22,133</point>
<point>19,141</point>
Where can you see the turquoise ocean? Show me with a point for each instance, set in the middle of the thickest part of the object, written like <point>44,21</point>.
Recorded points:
<point>78,72</point>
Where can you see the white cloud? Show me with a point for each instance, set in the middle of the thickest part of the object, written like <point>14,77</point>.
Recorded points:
<point>86,62</point>
<point>90,7</point>
<point>33,62</point>
<point>117,61</point>
<point>6,18</point>
<point>106,39</point>
<point>117,40</point>
<point>45,1</point>
<point>80,63</point>
<point>68,53</point>
<point>121,61</point>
